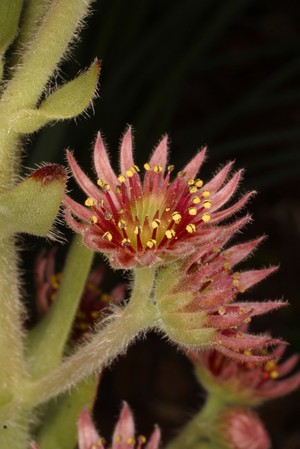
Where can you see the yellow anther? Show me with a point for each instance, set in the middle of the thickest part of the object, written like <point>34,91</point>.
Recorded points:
<point>205,218</point>
<point>107,215</point>
<point>142,439</point>
<point>198,183</point>
<point>193,189</point>
<point>118,438</point>
<point>151,243</point>
<point>236,282</point>
<point>118,189</point>
<point>94,314</point>
<point>130,441</point>
<point>54,281</point>
<point>157,168</point>
<point>135,168</point>
<point>196,200</point>
<point>100,182</point>
<point>167,209</point>
<point>216,250</point>
<point>105,297</point>
<point>155,223</point>
<point>126,242</point>
<point>93,219</point>
<point>83,326</point>
<point>89,202</point>
<point>121,178</point>
<point>181,174</point>
<point>270,365</point>
<point>129,173</point>
<point>176,217</point>
<point>106,187</point>
<point>122,224</point>
<point>190,228</point>
<point>192,211</point>
<point>247,352</point>
<point>236,275</point>
<point>147,166</point>
<point>191,182</point>
<point>137,230</point>
<point>226,266</point>
<point>170,168</point>
<point>247,320</point>
<point>170,233</point>
<point>274,374</point>
<point>107,236</point>
<point>222,311</point>
<point>207,204</point>
<point>206,193</point>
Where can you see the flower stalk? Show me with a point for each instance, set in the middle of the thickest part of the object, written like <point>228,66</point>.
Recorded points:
<point>125,325</point>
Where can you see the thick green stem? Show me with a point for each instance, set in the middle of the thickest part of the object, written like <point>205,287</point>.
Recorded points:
<point>12,369</point>
<point>122,329</point>
<point>14,429</point>
<point>46,343</point>
<point>197,433</point>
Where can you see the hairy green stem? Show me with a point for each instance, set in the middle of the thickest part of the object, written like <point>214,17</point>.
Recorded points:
<point>122,329</point>
<point>12,369</point>
<point>46,342</point>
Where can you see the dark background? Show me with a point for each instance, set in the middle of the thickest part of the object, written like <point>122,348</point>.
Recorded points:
<point>224,73</point>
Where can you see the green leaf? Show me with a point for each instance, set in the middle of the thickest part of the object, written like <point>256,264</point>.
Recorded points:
<point>9,17</point>
<point>32,205</point>
<point>66,102</point>
<point>59,428</point>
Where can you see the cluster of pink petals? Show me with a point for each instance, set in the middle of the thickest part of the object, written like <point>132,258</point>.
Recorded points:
<point>243,429</point>
<point>123,436</point>
<point>154,220</point>
<point>208,277</point>
<point>93,302</point>
<point>250,382</point>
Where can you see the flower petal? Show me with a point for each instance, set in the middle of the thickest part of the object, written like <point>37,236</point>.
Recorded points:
<point>126,156</point>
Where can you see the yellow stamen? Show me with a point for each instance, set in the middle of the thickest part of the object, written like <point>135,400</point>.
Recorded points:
<point>107,236</point>
<point>142,439</point>
<point>121,178</point>
<point>130,441</point>
<point>176,217</point>
<point>151,243</point>
<point>129,173</point>
<point>236,282</point>
<point>170,168</point>
<point>122,224</point>
<point>157,168</point>
<point>147,167</point>
<point>137,230</point>
<point>89,202</point>
<point>170,233</point>
<point>222,311</point>
<point>100,182</point>
<point>155,223</point>
<point>106,187</point>
<point>274,374</point>
<point>126,242</point>
<point>207,204</point>
<point>198,183</point>
<point>191,182</point>
<point>247,352</point>
<point>107,215</point>
<point>196,200</point>
<point>192,211</point>
<point>190,228</point>
<point>135,168</point>
<point>193,189</point>
<point>180,174</point>
<point>205,218</point>
<point>206,193</point>
<point>93,219</point>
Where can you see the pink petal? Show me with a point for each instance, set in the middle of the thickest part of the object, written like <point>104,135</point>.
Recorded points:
<point>259,308</point>
<point>74,224</point>
<point>102,165</point>
<point>223,195</point>
<point>236,253</point>
<point>245,341</point>
<point>281,387</point>
<point>252,277</point>
<point>154,439</point>
<point>124,429</point>
<point>241,357</point>
<point>77,208</point>
<point>287,366</point>
<point>192,168</point>
<point>84,182</point>
<point>225,213</point>
<point>215,183</point>
<point>87,434</point>
<point>160,154</point>
<point>126,157</point>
